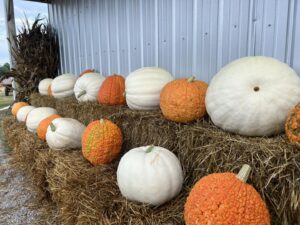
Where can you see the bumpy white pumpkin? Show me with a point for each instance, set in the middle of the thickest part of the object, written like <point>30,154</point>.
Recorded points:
<point>149,174</point>
<point>86,87</point>
<point>64,133</point>
<point>23,112</point>
<point>252,96</point>
<point>63,85</point>
<point>44,85</point>
<point>143,87</point>
<point>36,115</point>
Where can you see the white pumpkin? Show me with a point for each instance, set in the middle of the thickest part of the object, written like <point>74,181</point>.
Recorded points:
<point>23,112</point>
<point>63,85</point>
<point>143,87</point>
<point>252,96</point>
<point>44,85</point>
<point>36,115</point>
<point>64,133</point>
<point>149,174</point>
<point>87,86</point>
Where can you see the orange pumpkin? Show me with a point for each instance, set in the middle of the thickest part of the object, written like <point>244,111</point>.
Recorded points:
<point>292,126</point>
<point>183,100</point>
<point>225,198</point>
<point>43,126</point>
<point>49,90</point>
<point>17,106</point>
<point>112,91</point>
<point>101,142</point>
<point>87,71</point>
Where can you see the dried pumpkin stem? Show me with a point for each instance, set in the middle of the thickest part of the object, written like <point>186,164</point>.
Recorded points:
<point>53,128</point>
<point>124,94</point>
<point>244,173</point>
<point>149,149</point>
<point>101,120</point>
<point>191,79</point>
<point>81,93</point>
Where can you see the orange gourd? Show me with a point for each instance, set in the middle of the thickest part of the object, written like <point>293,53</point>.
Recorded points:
<point>183,100</point>
<point>225,198</point>
<point>112,91</point>
<point>49,90</point>
<point>292,126</point>
<point>101,142</point>
<point>43,126</point>
<point>17,106</point>
<point>87,71</point>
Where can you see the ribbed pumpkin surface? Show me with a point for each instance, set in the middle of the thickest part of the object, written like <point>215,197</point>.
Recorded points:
<point>112,91</point>
<point>222,199</point>
<point>183,100</point>
<point>17,106</point>
<point>101,142</point>
<point>43,126</point>
<point>87,71</point>
<point>292,126</point>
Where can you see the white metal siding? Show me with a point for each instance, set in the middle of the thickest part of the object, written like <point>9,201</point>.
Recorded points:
<point>186,37</point>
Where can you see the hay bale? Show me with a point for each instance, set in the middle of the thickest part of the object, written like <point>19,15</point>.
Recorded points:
<point>42,101</point>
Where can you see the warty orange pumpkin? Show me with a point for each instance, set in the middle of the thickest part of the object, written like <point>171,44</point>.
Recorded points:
<point>43,126</point>
<point>101,142</point>
<point>112,91</point>
<point>17,106</point>
<point>183,100</point>
<point>292,126</point>
<point>223,199</point>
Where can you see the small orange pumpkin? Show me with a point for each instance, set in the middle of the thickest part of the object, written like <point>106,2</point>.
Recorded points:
<point>183,100</point>
<point>87,71</point>
<point>17,106</point>
<point>43,126</point>
<point>101,142</point>
<point>225,198</point>
<point>112,91</point>
<point>292,126</point>
<point>49,90</point>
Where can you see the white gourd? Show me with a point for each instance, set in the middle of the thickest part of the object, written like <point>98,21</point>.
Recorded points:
<point>143,87</point>
<point>87,86</point>
<point>149,174</point>
<point>36,115</point>
<point>63,85</point>
<point>252,96</point>
<point>64,133</point>
<point>23,112</point>
<point>44,85</point>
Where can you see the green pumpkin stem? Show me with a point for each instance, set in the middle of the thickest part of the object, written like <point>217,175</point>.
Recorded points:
<point>53,128</point>
<point>191,79</point>
<point>81,93</point>
<point>149,149</point>
<point>244,173</point>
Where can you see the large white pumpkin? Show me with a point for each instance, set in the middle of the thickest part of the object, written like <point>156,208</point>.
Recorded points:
<point>36,115</point>
<point>87,86</point>
<point>23,112</point>
<point>63,85</point>
<point>44,85</point>
<point>64,133</point>
<point>252,96</point>
<point>149,174</point>
<point>143,87</point>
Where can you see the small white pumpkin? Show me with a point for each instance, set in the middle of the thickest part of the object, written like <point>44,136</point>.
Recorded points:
<point>63,85</point>
<point>252,96</point>
<point>44,85</point>
<point>23,112</point>
<point>87,86</point>
<point>64,133</point>
<point>143,87</point>
<point>35,116</point>
<point>149,174</point>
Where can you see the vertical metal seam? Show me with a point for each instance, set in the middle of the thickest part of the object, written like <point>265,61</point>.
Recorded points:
<point>141,32</point>
<point>194,45</point>
<point>91,36</point>
<point>251,21</point>
<point>173,38</point>
<point>156,32</point>
<point>290,31</point>
<point>220,34</point>
<point>107,36</point>
<point>128,37</point>
<point>275,37</point>
<point>99,36</point>
<point>78,35</point>
<point>118,36</point>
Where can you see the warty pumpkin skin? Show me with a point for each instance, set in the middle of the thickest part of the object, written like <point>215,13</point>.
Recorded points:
<point>292,126</point>
<point>44,86</point>
<point>101,142</point>
<point>43,126</point>
<point>112,91</point>
<point>223,199</point>
<point>23,112</point>
<point>183,100</point>
<point>17,106</point>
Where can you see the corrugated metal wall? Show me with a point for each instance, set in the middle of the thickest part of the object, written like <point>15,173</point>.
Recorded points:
<point>183,36</point>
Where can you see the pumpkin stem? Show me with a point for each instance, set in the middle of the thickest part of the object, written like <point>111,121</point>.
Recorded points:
<point>191,79</point>
<point>81,93</point>
<point>149,149</point>
<point>244,173</point>
<point>124,94</point>
<point>101,120</point>
<point>53,128</point>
